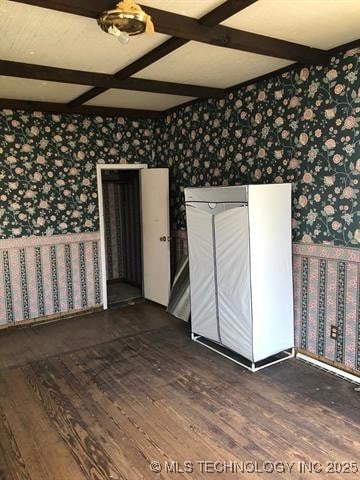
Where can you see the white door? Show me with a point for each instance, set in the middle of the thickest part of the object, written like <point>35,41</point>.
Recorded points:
<point>155,234</point>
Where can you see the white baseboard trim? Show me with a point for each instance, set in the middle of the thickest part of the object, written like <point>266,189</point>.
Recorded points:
<point>329,368</point>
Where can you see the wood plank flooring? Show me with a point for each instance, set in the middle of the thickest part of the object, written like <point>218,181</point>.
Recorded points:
<point>103,396</point>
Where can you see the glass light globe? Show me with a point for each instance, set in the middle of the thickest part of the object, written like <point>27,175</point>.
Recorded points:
<point>124,38</point>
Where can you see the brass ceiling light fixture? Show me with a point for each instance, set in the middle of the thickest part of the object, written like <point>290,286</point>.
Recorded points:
<point>125,20</point>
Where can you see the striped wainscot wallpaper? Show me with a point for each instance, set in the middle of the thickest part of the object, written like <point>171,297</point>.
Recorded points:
<point>326,293</point>
<point>43,276</point>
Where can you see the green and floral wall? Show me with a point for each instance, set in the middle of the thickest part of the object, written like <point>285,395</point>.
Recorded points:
<point>49,221</point>
<point>300,127</point>
<point>48,168</point>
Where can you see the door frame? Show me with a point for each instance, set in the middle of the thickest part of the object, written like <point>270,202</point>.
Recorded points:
<point>99,168</point>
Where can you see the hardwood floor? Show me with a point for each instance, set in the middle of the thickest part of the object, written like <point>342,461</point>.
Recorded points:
<point>103,396</point>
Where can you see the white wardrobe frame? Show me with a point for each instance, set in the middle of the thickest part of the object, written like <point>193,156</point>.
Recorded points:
<point>99,168</point>
<point>254,195</point>
<point>253,368</point>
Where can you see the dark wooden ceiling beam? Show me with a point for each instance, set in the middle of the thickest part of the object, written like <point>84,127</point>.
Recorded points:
<point>224,11</point>
<point>51,107</point>
<point>220,13</point>
<point>139,64</point>
<point>189,28</point>
<point>103,80</point>
<point>215,16</point>
<point>132,113</point>
<point>171,88</point>
<point>221,36</point>
<point>266,76</point>
<point>346,46</point>
<point>92,8</point>
<point>87,96</point>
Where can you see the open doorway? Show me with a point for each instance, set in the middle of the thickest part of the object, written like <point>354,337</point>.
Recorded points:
<point>134,233</point>
<point>121,222</point>
<point>121,197</point>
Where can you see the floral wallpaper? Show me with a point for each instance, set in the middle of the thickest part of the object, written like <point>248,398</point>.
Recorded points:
<point>48,168</point>
<point>300,127</point>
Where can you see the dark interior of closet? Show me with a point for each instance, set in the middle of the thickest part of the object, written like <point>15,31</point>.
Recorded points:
<point>121,199</point>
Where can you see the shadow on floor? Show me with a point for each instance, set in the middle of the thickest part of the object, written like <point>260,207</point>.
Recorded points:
<point>120,292</point>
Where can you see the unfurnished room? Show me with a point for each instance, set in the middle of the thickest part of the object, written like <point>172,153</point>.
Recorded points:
<point>179,239</point>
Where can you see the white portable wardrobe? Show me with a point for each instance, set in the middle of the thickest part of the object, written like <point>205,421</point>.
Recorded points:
<point>240,255</point>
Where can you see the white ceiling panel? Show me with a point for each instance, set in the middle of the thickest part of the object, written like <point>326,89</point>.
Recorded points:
<point>24,89</point>
<point>47,37</point>
<point>317,23</point>
<point>202,64</point>
<point>141,100</point>
<point>190,8</point>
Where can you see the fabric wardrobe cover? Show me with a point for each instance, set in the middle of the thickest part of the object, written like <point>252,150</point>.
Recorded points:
<point>221,297</point>
<point>202,273</point>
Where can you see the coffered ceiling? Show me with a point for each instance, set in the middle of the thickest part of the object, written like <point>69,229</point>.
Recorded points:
<point>53,52</point>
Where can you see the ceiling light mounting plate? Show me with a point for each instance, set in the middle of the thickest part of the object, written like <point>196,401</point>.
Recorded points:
<point>132,23</point>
